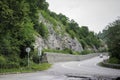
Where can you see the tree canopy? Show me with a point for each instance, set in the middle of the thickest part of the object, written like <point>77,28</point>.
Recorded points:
<point>18,19</point>
<point>112,38</point>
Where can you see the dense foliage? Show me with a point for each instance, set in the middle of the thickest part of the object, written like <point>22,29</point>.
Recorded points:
<point>112,37</point>
<point>87,38</point>
<point>19,23</point>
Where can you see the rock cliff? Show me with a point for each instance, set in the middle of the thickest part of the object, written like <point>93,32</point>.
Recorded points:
<point>57,37</point>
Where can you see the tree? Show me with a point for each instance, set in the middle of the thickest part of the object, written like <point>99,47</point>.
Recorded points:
<point>63,18</point>
<point>16,28</point>
<point>42,30</point>
<point>113,39</point>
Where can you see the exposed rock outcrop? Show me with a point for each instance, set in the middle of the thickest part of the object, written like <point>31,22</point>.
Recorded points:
<point>57,39</point>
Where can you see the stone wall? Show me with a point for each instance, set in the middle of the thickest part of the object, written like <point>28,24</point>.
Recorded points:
<point>55,57</point>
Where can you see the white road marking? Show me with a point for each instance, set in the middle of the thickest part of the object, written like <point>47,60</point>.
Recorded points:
<point>90,67</point>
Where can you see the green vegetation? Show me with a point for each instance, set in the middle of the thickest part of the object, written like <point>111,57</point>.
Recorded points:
<point>86,37</point>
<point>65,51</point>
<point>19,24</point>
<point>40,67</point>
<point>113,60</point>
<point>68,51</point>
<point>49,18</point>
<point>84,52</point>
<point>18,27</point>
<point>32,68</point>
<point>108,65</point>
<point>112,37</point>
<point>42,30</point>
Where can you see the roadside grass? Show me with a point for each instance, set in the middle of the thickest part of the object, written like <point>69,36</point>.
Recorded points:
<point>32,68</point>
<point>108,66</point>
<point>40,67</point>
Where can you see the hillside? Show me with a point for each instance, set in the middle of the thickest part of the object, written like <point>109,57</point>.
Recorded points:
<point>63,33</point>
<point>111,36</point>
<point>28,23</point>
<point>57,37</point>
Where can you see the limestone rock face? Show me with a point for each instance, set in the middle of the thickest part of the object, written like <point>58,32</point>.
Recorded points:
<point>57,39</point>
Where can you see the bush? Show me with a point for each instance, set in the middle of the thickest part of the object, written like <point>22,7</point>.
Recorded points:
<point>72,34</point>
<point>114,60</point>
<point>68,51</point>
<point>57,51</point>
<point>85,52</point>
<point>76,53</point>
<point>9,65</point>
<point>12,65</point>
<point>36,59</point>
<point>2,60</point>
<point>49,18</point>
<point>40,67</point>
<point>42,30</point>
<point>83,43</point>
<point>23,62</point>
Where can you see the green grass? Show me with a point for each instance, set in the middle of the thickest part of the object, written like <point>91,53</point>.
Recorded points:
<point>40,67</point>
<point>32,68</point>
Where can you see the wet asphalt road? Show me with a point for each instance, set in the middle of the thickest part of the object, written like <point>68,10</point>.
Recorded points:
<point>75,70</point>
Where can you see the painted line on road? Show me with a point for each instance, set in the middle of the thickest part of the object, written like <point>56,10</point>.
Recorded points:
<point>73,68</point>
<point>63,65</point>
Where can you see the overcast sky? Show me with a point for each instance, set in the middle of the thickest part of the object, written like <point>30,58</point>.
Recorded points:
<point>95,14</point>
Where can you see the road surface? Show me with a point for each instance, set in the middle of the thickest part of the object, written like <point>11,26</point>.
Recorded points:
<point>75,70</point>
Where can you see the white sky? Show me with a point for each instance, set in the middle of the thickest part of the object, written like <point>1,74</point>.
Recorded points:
<point>95,14</point>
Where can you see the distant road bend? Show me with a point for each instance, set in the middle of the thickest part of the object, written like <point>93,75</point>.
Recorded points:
<point>88,67</point>
<point>64,70</point>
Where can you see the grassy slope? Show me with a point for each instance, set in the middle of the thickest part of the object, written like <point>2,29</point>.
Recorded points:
<point>32,68</point>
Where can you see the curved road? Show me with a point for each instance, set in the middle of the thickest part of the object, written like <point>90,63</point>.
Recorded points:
<point>63,70</point>
<point>86,67</point>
